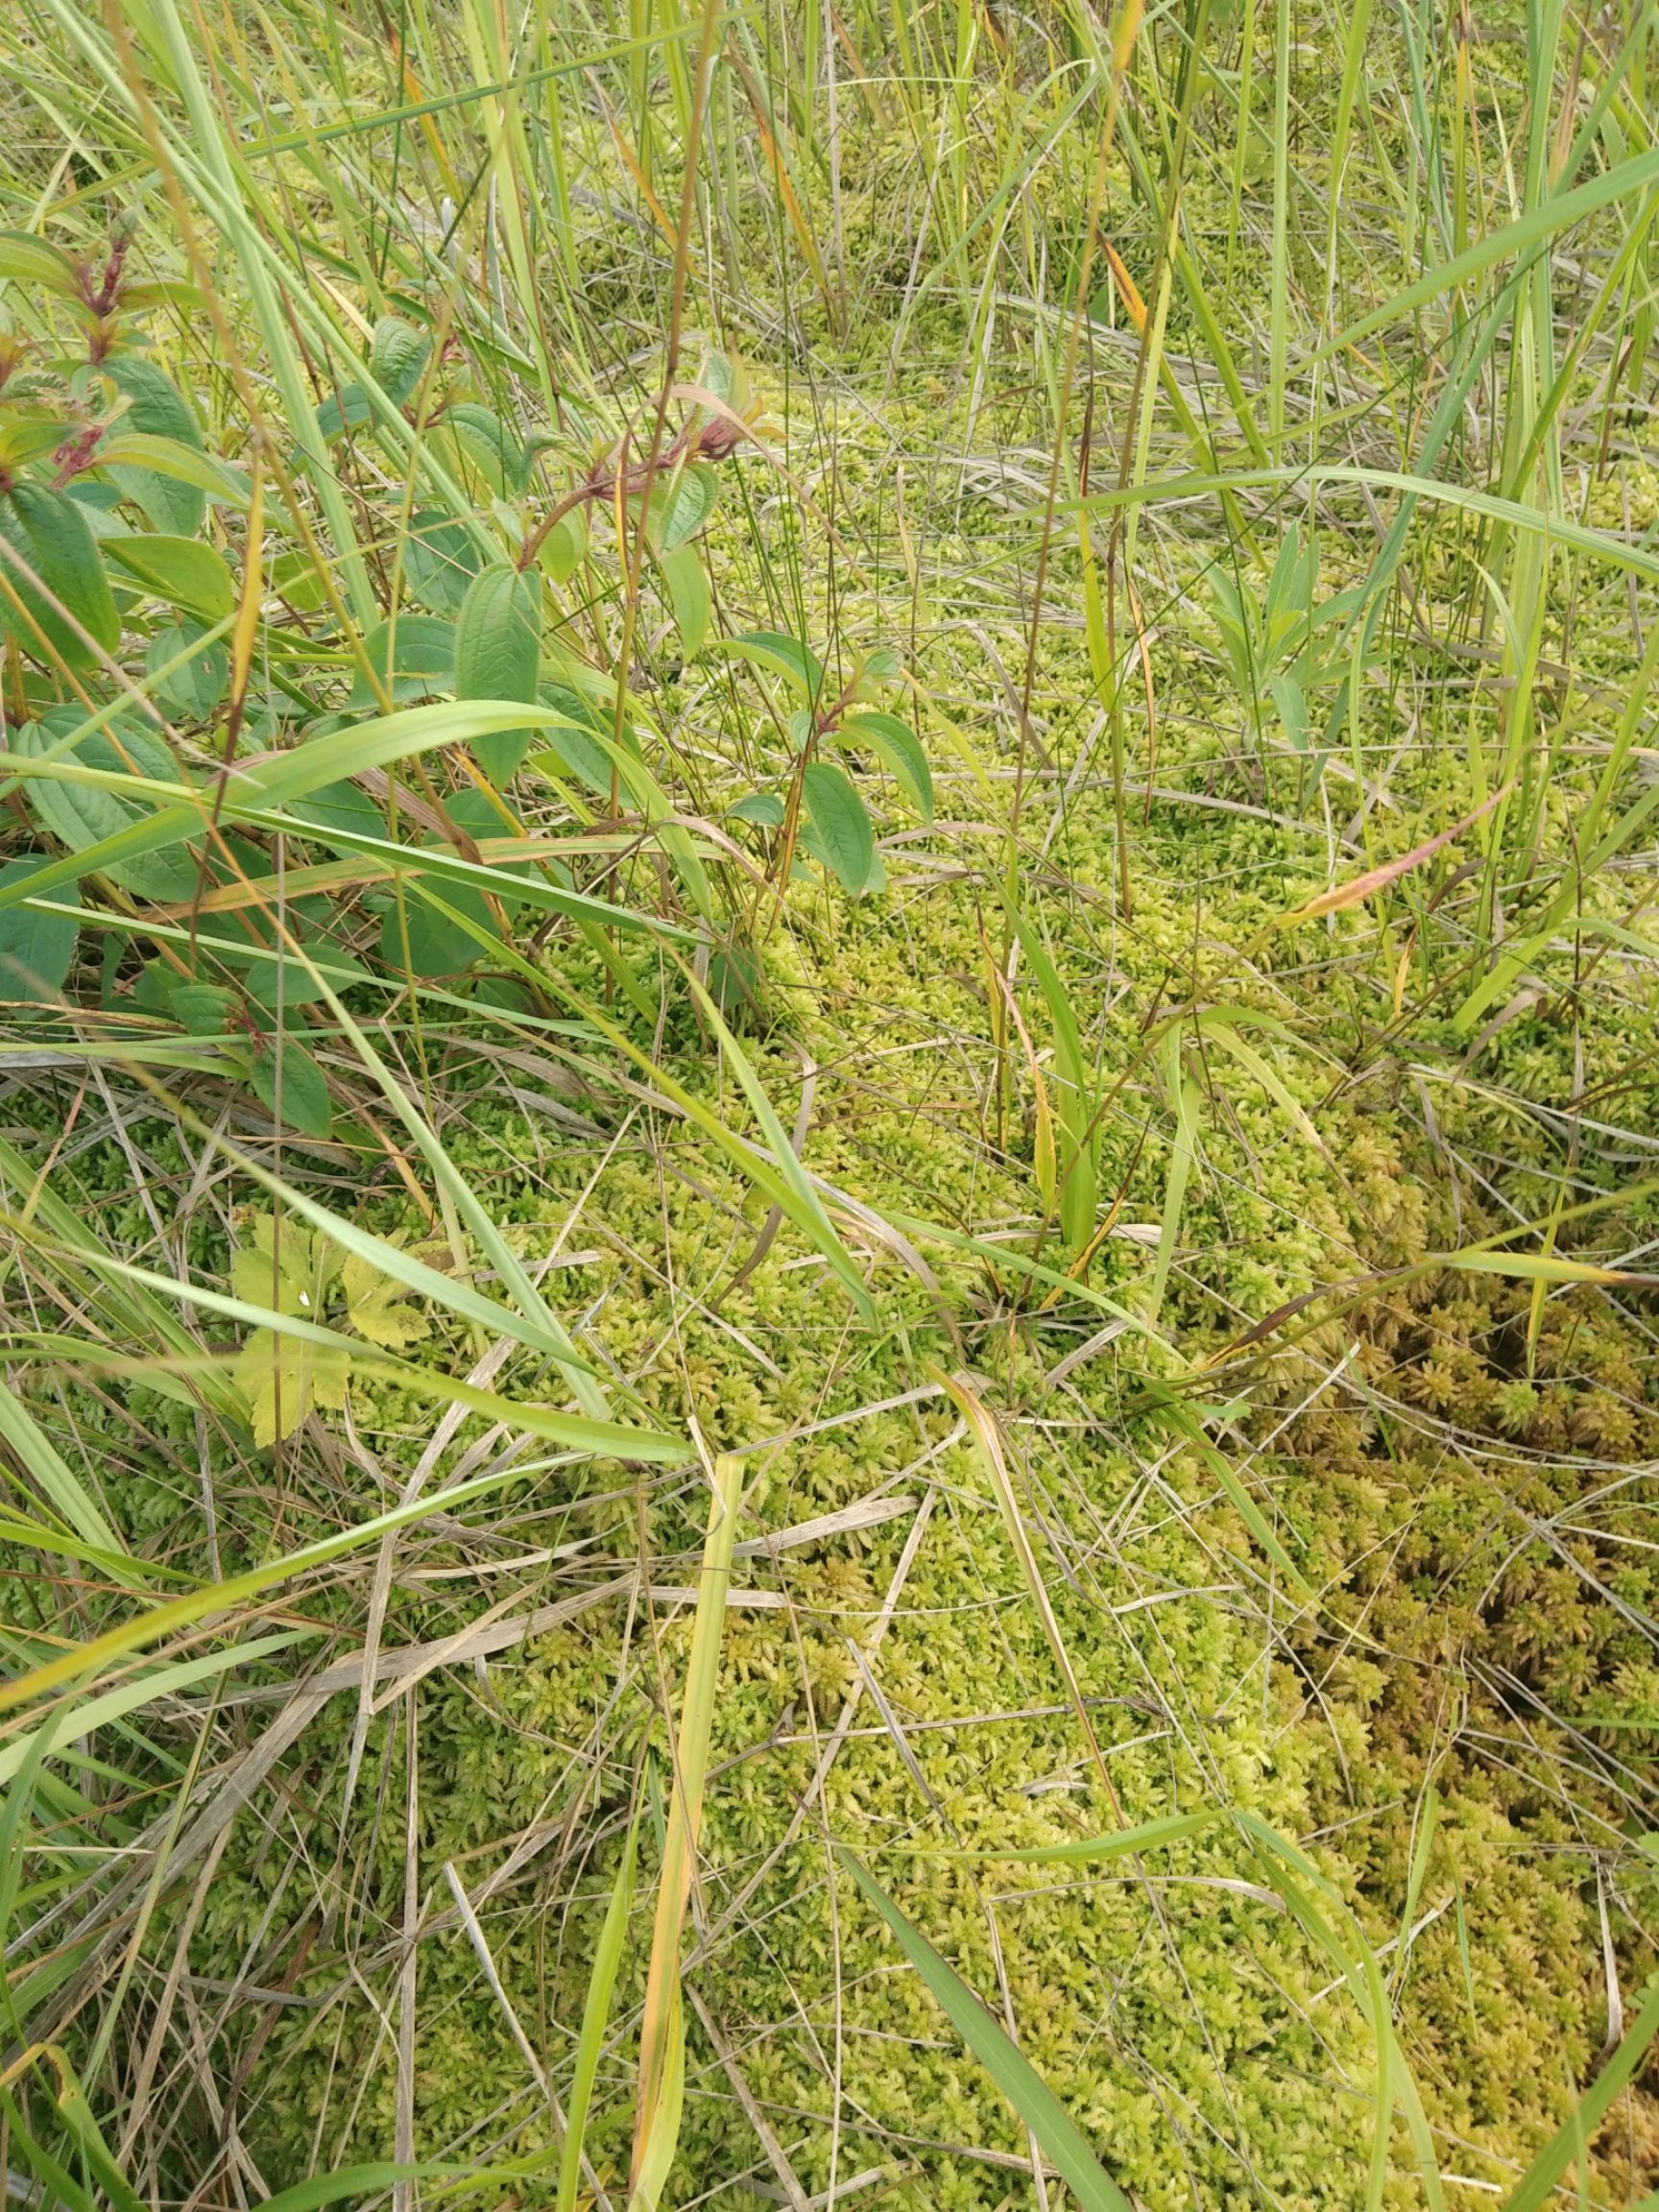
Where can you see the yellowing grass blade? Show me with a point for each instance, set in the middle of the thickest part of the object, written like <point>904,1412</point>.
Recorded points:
<point>1218,1030</point>
<point>657,2154</point>
<point>179,1614</point>
<point>1124,285</point>
<point>983,1428</point>
<point>662,2029</point>
<point>1184,1093</point>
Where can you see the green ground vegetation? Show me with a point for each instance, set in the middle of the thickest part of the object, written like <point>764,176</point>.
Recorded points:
<point>827,1062</point>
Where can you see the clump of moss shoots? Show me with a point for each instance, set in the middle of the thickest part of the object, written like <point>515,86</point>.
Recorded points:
<point>828,1169</point>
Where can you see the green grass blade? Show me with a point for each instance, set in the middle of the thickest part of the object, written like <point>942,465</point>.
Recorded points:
<point>1057,2133</point>
<point>595,2017</point>
<point>179,1614</point>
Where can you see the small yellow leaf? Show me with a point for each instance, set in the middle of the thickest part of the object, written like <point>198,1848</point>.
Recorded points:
<point>286,1271</point>
<point>283,1379</point>
<point>379,1307</point>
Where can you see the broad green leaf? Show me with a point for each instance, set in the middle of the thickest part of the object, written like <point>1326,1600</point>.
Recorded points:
<point>488,443</point>
<point>1289,580</point>
<point>156,409</point>
<point>203,1009</point>
<point>182,570</point>
<point>1289,696</point>
<point>438,945</point>
<point>397,357</point>
<point>687,587</point>
<point>343,806</point>
<point>297,582</point>
<point>763,806</point>
<point>843,824</point>
<point>497,656</point>
<point>681,506</point>
<point>1057,2133</point>
<point>85,815</point>
<point>176,462</point>
<point>561,552</point>
<point>347,409</point>
<point>439,559</point>
<point>48,547</point>
<point>901,753</point>
<point>98,501</point>
<point>725,379</point>
<point>36,949</point>
<point>783,656</point>
<point>275,976</point>
<point>413,656</point>
<point>187,679</point>
<point>582,752</point>
<point>289,1083</point>
<point>287,1269</point>
<point>37,264</point>
<point>421,941</point>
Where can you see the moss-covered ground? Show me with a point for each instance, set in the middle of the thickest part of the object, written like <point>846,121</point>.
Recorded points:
<point>1347,1535</point>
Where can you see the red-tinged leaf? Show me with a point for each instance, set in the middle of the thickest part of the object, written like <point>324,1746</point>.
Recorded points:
<point>1360,888</point>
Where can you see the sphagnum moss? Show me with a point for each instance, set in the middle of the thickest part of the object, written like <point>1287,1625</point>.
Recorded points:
<point>1224,1992</point>
<point>1460,1481</point>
